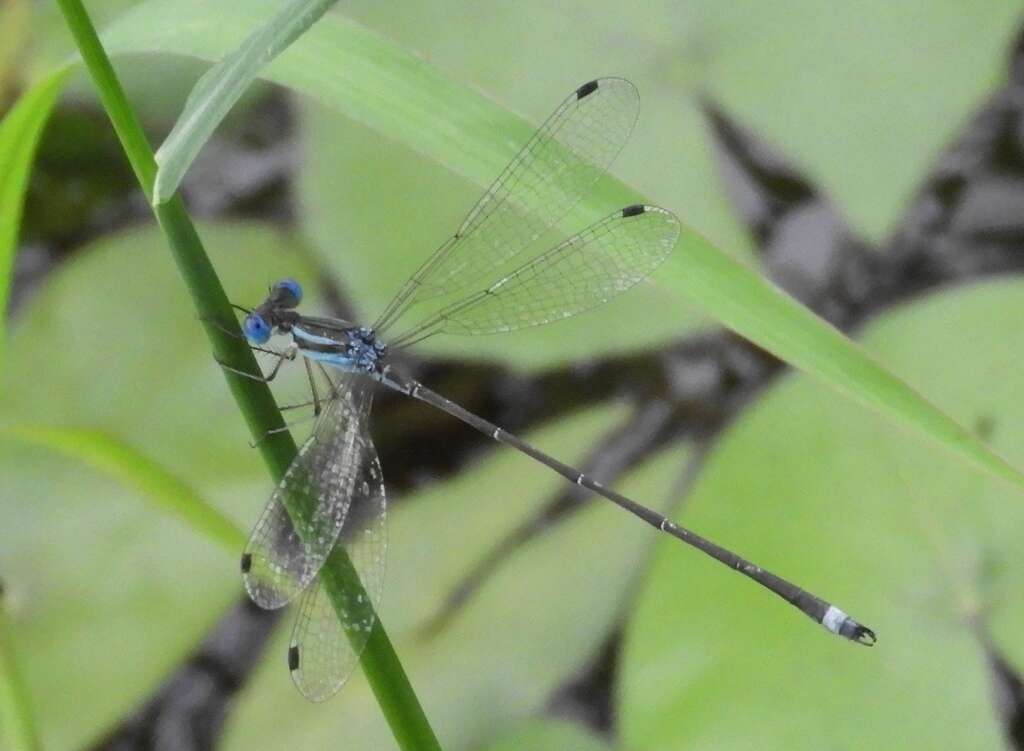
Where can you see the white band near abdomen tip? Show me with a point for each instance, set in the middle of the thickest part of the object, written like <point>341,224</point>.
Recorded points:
<point>834,619</point>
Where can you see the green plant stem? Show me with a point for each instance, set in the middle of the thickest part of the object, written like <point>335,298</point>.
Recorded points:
<point>383,670</point>
<point>15,708</point>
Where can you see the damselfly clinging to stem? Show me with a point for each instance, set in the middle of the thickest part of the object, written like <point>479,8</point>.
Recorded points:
<point>333,493</point>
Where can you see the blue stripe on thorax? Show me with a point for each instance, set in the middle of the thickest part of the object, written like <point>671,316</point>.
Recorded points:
<point>337,359</point>
<point>304,335</point>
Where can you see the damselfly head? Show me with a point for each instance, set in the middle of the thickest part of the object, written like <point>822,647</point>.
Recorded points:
<point>256,328</point>
<point>287,293</point>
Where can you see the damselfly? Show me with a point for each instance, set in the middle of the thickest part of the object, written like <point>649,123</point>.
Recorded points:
<point>333,493</point>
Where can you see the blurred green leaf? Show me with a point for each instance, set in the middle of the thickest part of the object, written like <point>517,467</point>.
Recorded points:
<point>106,596</point>
<point>16,722</point>
<point>91,572</point>
<point>549,735</point>
<point>50,46</point>
<point>405,110</point>
<point>128,358</point>
<point>825,82</point>
<point>14,18</point>
<point>749,304</point>
<point>820,84</point>
<point>19,134</point>
<point>50,43</point>
<point>361,75</point>
<point>825,493</point>
<point>223,85</point>
<point>134,470</point>
<point>809,81</point>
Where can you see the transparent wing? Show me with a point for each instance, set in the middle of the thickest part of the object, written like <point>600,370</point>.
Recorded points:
<point>586,270</point>
<point>331,632</point>
<point>282,558</point>
<point>563,159</point>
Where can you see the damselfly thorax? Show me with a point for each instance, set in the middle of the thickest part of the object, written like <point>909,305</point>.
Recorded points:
<point>352,349</point>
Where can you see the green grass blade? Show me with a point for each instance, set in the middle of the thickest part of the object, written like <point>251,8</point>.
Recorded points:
<point>19,135</point>
<point>129,467</point>
<point>16,723</point>
<point>363,76</point>
<point>217,91</point>
<point>381,665</point>
<point>752,306</point>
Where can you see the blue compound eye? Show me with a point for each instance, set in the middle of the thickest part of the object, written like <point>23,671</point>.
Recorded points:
<point>289,293</point>
<point>256,329</point>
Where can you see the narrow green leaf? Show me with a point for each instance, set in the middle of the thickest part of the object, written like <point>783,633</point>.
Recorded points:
<point>15,708</point>
<point>379,84</point>
<point>399,703</point>
<point>362,75</point>
<point>753,307</point>
<point>217,91</point>
<point>19,134</point>
<point>129,467</point>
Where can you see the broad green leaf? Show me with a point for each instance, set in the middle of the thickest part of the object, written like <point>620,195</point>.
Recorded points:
<point>106,334</point>
<point>106,593</point>
<point>19,134</point>
<point>822,82</point>
<point>136,471</point>
<point>223,85</point>
<point>825,493</point>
